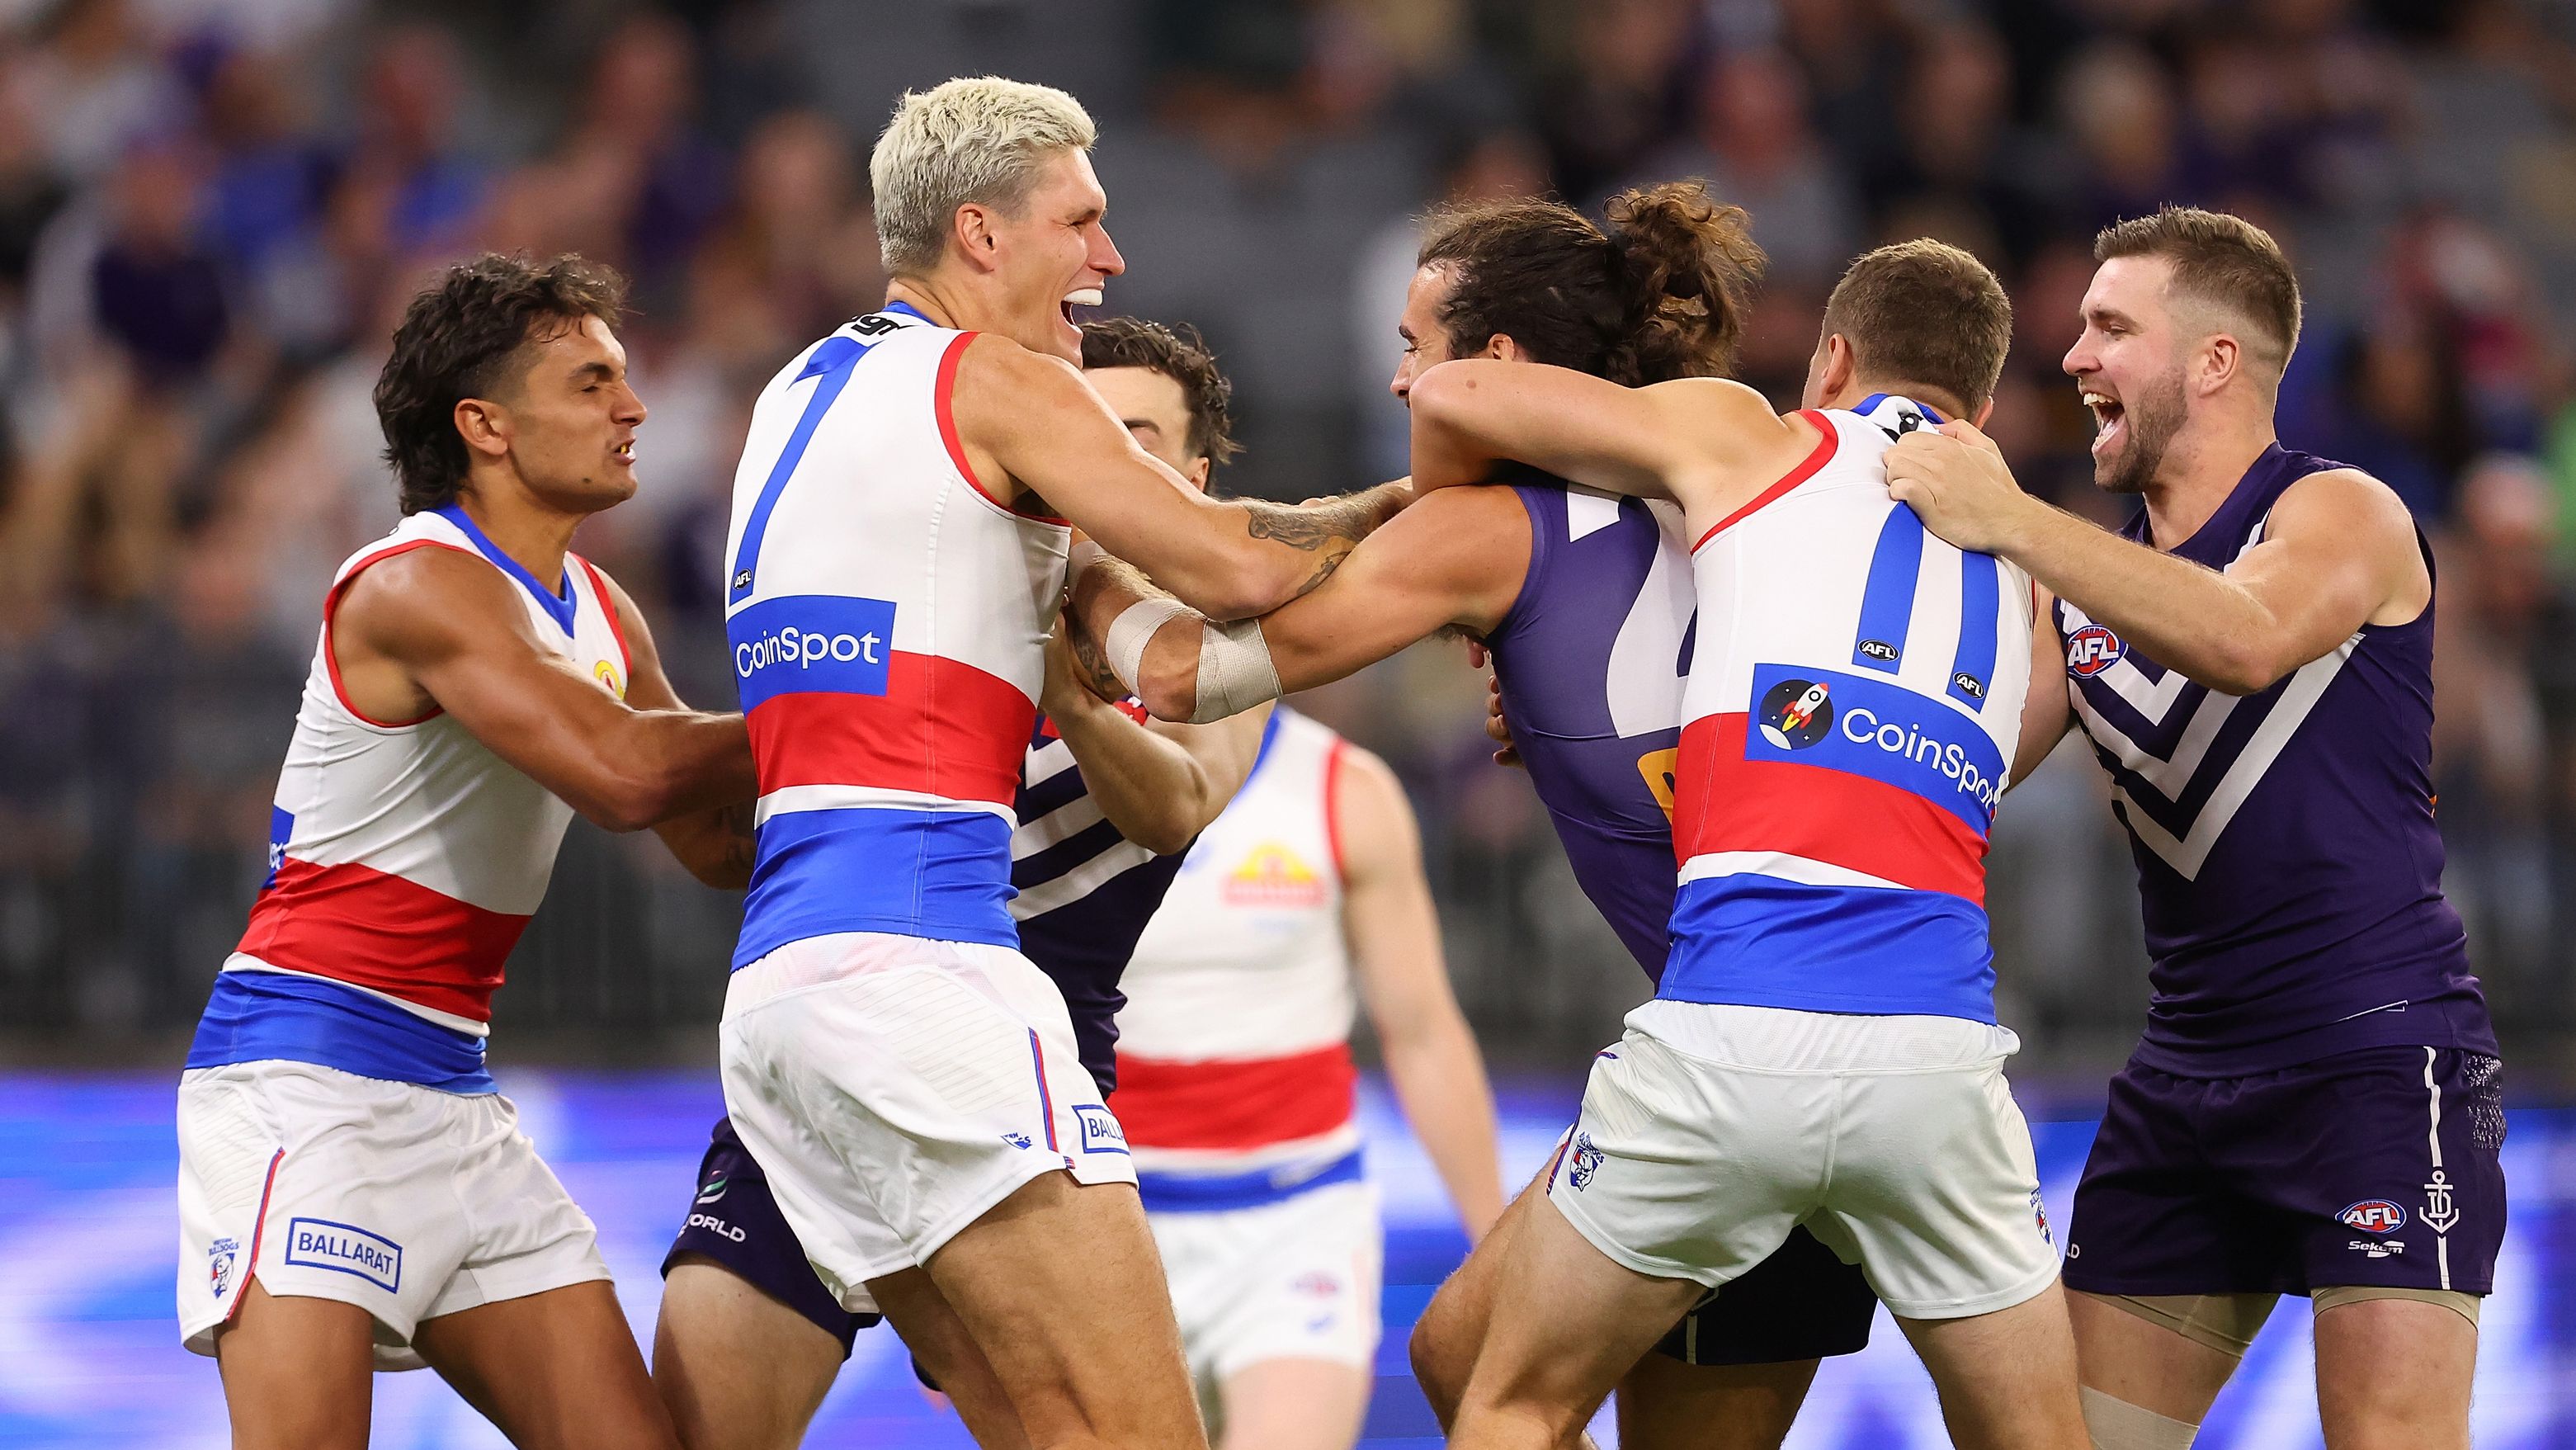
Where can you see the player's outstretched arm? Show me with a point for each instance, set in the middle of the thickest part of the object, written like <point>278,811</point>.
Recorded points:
<point>1159,784</point>
<point>2338,552</point>
<point>450,632</point>
<point>1035,419</point>
<point>716,844</point>
<point>1457,558</point>
<point>1679,440</point>
<point>1394,936</point>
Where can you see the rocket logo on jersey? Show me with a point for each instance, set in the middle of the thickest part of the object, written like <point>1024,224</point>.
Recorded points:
<point>819,643</point>
<point>2091,650</point>
<point>1797,713</point>
<point>1273,878</point>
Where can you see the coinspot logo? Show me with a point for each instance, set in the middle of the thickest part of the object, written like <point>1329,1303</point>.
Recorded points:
<point>1878,729</point>
<point>811,643</point>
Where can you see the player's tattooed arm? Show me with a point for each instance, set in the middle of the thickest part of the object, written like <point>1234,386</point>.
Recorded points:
<point>1328,528</point>
<point>1031,421</point>
<point>1454,560</point>
<point>716,846</point>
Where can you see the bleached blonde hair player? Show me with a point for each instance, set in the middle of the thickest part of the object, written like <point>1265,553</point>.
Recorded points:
<point>906,1079</point>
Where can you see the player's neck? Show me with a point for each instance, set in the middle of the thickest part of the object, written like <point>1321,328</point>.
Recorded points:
<point>2201,468</point>
<point>946,302</point>
<point>522,526</point>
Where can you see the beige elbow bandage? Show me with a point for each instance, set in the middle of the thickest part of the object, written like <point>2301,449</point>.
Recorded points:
<point>1235,672</point>
<point>1134,629</point>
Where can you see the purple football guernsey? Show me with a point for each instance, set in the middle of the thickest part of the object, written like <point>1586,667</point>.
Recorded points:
<point>1592,658</point>
<point>2288,860</point>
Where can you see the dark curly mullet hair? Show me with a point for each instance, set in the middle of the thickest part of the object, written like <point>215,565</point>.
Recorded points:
<point>1177,353</point>
<point>457,340</point>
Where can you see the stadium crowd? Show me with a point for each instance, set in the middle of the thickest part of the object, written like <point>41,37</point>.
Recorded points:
<point>211,211</point>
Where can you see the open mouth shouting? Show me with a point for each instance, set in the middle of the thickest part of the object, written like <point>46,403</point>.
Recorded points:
<point>2110,419</point>
<point>1078,297</point>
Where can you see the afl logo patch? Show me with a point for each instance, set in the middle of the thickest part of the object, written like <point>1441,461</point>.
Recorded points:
<point>607,675</point>
<point>2091,650</point>
<point>1796,714</point>
<point>2373,1216</point>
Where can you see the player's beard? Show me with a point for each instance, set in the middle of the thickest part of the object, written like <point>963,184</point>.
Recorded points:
<point>2153,418</point>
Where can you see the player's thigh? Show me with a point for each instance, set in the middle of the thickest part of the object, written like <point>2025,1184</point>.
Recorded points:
<point>1935,1193</point>
<point>2395,1372</point>
<point>1452,1327</point>
<point>1060,1286</point>
<point>737,1369</point>
<point>1665,1404</point>
<point>299,1373</point>
<point>1294,1404</point>
<point>2006,1378</point>
<point>2154,1353</point>
<point>949,1358</point>
<point>1568,1322</point>
<point>556,1370</point>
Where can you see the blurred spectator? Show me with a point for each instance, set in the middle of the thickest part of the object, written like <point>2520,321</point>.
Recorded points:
<point>1753,143</point>
<point>1620,92</point>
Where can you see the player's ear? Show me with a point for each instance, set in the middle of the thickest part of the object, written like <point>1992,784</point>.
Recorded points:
<point>973,227</point>
<point>1198,474</point>
<point>2222,357</point>
<point>1501,345</point>
<point>1838,364</point>
<point>484,425</point>
<point>1985,410</point>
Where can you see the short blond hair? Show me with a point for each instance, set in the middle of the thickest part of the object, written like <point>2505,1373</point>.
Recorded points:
<point>980,140</point>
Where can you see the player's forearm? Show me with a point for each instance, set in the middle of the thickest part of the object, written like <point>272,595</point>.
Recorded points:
<point>2183,615</point>
<point>1129,636</point>
<point>1148,787</point>
<point>669,763</point>
<point>1439,1079</point>
<point>716,846</point>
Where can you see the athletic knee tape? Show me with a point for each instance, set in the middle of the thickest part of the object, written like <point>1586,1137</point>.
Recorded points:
<point>2115,1424</point>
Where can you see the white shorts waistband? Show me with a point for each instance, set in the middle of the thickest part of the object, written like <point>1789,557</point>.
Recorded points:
<point>1779,1039</point>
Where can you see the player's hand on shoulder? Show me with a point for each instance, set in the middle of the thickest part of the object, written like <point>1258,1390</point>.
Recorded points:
<point>1955,479</point>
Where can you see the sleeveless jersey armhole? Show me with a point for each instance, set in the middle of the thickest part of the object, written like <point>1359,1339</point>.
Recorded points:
<point>331,614</point>
<point>1829,439</point>
<point>1542,544</point>
<point>943,391</point>
<point>608,608</point>
<point>1333,807</point>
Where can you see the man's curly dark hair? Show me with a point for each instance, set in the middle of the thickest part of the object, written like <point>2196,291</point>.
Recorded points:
<point>1178,353</point>
<point>457,340</point>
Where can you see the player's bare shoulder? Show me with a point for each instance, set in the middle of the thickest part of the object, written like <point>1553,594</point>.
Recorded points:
<point>2345,509</point>
<point>424,597</point>
<point>1007,397</point>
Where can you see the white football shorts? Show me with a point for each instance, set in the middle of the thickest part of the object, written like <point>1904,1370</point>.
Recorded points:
<point>1296,1279</point>
<point>895,1088</point>
<point>406,1201</point>
<point>1710,1131</point>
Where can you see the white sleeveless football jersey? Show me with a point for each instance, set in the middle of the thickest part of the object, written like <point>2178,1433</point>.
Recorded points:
<point>405,858</point>
<point>887,618</point>
<point>1854,701</point>
<point>1235,1041</point>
